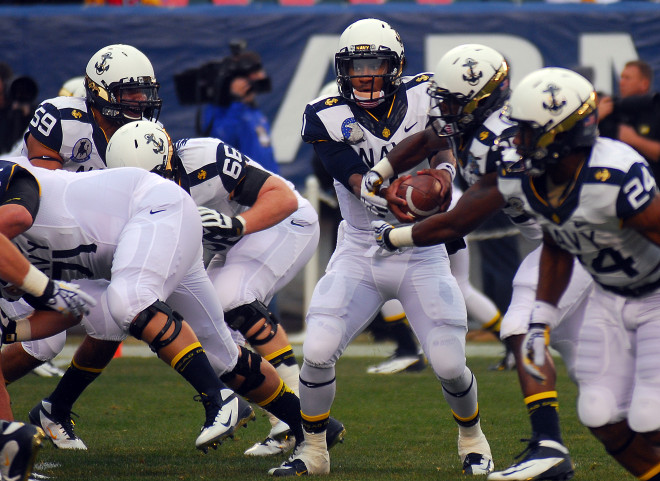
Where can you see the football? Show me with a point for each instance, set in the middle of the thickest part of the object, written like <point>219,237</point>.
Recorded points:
<point>423,195</point>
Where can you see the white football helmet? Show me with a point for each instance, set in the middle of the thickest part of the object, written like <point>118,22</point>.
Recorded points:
<point>368,41</point>
<point>143,144</point>
<point>74,87</point>
<point>555,110</point>
<point>120,82</point>
<point>470,82</point>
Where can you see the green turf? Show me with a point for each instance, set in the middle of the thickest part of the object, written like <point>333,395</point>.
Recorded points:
<point>140,423</point>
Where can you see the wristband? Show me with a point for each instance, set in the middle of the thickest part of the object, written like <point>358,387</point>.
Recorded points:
<point>240,219</point>
<point>544,313</point>
<point>449,168</point>
<point>35,282</point>
<point>401,236</point>
<point>383,168</point>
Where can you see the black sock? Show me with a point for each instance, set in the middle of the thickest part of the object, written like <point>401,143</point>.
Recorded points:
<point>405,340</point>
<point>285,405</point>
<point>195,367</point>
<point>72,385</point>
<point>543,415</point>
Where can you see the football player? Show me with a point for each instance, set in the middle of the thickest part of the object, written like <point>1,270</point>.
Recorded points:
<point>153,285</point>
<point>377,107</point>
<point>470,122</point>
<point>596,200</point>
<point>260,230</point>
<point>72,133</point>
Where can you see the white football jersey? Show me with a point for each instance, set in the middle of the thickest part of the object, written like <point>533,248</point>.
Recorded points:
<point>214,170</point>
<point>75,235</point>
<point>614,183</point>
<point>64,124</point>
<point>332,118</point>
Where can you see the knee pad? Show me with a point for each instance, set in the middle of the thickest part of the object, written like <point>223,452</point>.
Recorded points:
<point>140,322</point>
<point>322,349</point>
<point>45,349</point>
<point>643,412</point>
<point>597,407</point>
<point>243,318</point>
<point>446,352</point>
<point>248,366</point>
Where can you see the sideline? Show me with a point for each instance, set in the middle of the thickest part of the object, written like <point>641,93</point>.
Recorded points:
<point>356,349</point>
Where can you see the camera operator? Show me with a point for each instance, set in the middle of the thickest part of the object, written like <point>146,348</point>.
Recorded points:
<point>234,116</point>
<point>634,117</point>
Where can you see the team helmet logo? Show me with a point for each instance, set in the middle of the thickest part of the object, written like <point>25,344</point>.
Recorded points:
<point>159,144</point>
<point>103,66</point>
<point>472,77</point>
<point>554,105</point>
<point>81,151</point>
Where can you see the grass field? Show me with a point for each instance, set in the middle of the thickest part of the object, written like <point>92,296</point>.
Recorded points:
<point>140,423</point>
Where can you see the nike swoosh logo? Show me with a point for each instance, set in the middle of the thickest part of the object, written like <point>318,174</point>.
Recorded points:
<point>293,222</point>
<point>156,211</point>
<point>406,129</point>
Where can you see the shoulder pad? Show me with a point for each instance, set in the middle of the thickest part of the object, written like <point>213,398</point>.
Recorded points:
<point>421,78</point>
<point>327,102</point>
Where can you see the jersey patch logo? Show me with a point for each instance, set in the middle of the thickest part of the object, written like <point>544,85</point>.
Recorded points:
<point>82,151</point>
<point>201,175</point>
<point>602,175</point>
<point>331,101</point>
<point>351,131</point>
<point>76,114</point>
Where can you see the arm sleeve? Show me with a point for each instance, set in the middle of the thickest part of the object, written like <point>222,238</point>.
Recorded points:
<point>247,191</point>
<point>338,158</point>
<point>23,190</point>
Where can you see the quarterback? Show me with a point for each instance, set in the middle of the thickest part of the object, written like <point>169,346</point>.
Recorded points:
<point>375,109</point>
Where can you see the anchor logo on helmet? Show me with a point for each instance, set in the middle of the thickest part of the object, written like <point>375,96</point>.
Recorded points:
<point>472,77</point>
<point>103,66</point>
<point>159,144</point>
<point>555,106</point>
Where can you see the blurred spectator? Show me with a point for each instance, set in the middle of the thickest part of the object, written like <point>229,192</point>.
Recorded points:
<point>634,116</point>
<point>235,117</point>
<point>18,97</point>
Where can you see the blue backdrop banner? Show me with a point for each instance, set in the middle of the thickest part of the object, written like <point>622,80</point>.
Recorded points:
<point>52,44</point>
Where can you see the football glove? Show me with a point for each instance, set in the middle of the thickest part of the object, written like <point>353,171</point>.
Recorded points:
<point>382,234</point>
<point>374,203</point>
<point>221,225</point>
<point>536,340</point>
<point>64,298</point>
<point>371,182</point>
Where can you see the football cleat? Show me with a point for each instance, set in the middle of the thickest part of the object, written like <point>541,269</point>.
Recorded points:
<point>507,363</point>
<point>279,440</point>
<point>19,444</point>
<point>221,419</point>
<point>398,363</point>
<point>475,454</point>
<point>543,459</point>
<point>477,464</point>
<point>303,461</point>
<point>271,446</point>
<point>57,425</point>
<point>48,369</point>
<point>245,413</point>
<point>334,433</point>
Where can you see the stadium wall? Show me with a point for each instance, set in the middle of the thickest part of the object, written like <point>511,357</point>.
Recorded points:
<point>52,44</point>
